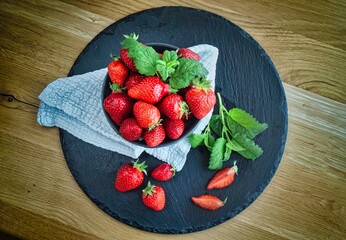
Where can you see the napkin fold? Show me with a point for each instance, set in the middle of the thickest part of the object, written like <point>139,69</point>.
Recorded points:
<point>74,104</point>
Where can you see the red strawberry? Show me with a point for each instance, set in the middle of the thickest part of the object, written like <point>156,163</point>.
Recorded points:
<point>117,72</point>
<point>130,129</point>
<point>163,172</point>
<point>130,176</point>
<point>150,90</point>
<point>223,178</point>
<point>124,55</point>
<point>173,106</point>
<point>147,115</point>
<point>154,136</point>
<point>200,98</point>
<point>174,128</point>
<point>132,80</point>
<point>208,202</point>
<point>119,106</point>
<point>154,197</point>
<point>187,53</point>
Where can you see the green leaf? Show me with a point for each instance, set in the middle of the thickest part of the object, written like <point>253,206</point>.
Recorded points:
<point>209,141</point>
<point>186,72</point>
<point>228,152</point>
<point>235,146</point>
<point>217,154</point>
<point>248,122</point>
<point>216,124</point>
<point>251,150</point>
<point>167,65</point>
<point>144,57</point>
<point>196,139</point>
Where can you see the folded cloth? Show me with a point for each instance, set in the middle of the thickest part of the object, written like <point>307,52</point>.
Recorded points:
<point>74,104</point>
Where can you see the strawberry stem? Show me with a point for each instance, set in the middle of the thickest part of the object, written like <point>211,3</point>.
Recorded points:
<point>149,190</point>
<point>140,166</point>
<point>235,167</point>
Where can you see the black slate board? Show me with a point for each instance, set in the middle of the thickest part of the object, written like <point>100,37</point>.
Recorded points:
<point>245,77</point>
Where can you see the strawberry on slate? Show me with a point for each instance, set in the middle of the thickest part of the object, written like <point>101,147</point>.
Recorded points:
<point>187,53</point>
<point>173,128</point>
<point>117,71</point>
<point>132,80</point>
<point>150,90</point>
<point>130,176</point>
<point>155,136</point>
<point>118,105</point>
<point>154,197</point>
<point>174,106</point>
<point>223,178</point>
<point>200,98</point>
<point>147,115</point>
<point>130,129</point>
<point>208,202</point>
<point>163,172</point>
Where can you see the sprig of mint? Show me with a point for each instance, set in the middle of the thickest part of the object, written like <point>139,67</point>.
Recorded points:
<point>229,131</point>
<point>171,67</point>
<point>167,65</point>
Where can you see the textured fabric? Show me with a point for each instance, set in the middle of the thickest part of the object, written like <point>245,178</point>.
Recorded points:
<point>74,104</point>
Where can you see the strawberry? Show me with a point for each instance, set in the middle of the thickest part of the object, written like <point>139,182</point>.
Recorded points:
<point>130,129</point>
<point>147,115</point>
<point>163,172</point>
<point>223,178</point>
<point>150,90</point>
<point>117,72</point>
<point>124,55</point>
<point>130,176</point>
<point>173,106</point>
<point>187,53</point>
<point>200,98</point>
<point>118,105</point>
<point>154,136</point>
<point>174,128</point>
<point>208,202</point>
<point>154,197</point>
<point>132,80</point>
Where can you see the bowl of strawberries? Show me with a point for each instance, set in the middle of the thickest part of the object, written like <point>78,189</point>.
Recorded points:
<point>155,94</point>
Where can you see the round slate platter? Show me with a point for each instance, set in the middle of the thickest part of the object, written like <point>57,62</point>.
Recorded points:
<point>245,77</point>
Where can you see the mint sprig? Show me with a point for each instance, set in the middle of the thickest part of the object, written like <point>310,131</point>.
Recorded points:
<point>167,65</point>
<point>234,131</point>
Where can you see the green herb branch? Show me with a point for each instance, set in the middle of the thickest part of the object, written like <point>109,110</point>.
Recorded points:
<point>230,130</point>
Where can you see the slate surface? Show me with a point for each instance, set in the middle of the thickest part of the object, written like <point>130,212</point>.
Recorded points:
<point>245,77</point>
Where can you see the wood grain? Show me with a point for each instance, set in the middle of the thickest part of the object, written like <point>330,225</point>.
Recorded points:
<point>39,41</point>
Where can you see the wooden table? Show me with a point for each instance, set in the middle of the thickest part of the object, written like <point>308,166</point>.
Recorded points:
<point>306,40</point>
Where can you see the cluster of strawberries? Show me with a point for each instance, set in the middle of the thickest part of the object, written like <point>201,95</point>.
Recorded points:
<point>131,176</point>
<point>146,107</point>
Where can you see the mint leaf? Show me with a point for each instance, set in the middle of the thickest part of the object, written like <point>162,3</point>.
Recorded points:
<point>144,57</point>
<point>196,139</point>
<point>209,142</point>
<point>217,154</point>
<point>187,70</point>
<point>235,146</point>
<point>248,122</point>
<point>216,124</point>
<point>251,150</point>
<point>167,65</point>
<point>228,152</point>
